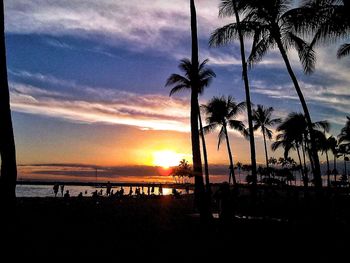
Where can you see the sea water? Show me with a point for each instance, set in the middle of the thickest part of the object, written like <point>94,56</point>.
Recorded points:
<point>74,190</point>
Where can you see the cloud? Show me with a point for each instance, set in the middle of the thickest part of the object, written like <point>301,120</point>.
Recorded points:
<point>155,112</point>
<point>111,21</point>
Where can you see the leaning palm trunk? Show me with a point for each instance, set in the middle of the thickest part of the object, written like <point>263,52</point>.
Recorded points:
<point>232,170</point>
<point>314,155</point>
<point>266,155</point>
<point>205,155</point>
<point>7,142</point>
<point>301,166</point>
<point>247,93</point>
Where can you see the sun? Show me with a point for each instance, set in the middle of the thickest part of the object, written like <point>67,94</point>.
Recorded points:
<point>167,158</point>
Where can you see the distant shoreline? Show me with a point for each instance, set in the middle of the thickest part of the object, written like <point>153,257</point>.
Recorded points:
<point>103,184</point>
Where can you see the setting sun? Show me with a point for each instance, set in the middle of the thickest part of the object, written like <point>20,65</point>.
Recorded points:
<point>167,158</point>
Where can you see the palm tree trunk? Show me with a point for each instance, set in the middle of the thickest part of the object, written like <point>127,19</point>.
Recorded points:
<point>232,170</point>
<point>301,166</point>
<point>7,143</point>
<point>314,154</point>
<point>248,101</point>
<point>266,156</point>
<point>344,165</point>
<point>205,155</point>
<point>304,159</point>
<point>328,170</point>
<point>335,167</point>
<point>201,200</point>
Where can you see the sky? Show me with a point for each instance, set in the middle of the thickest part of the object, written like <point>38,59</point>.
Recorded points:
<point>87,85</point>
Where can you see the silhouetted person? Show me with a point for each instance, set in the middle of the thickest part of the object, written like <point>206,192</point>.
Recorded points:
<point>121,192</point>
<point>55,189</point>
<point>66,195</point>
<point>187,189</point>
<point>130,191</point>
<point>176,193</point>
<point>62,189</point>
<point>160,190</point>
<point>108,188</point>
<point>223,197</point>
<point>149,190</point>
<point>80,195</point>
<point>152,190</point>
<point>101,192</point>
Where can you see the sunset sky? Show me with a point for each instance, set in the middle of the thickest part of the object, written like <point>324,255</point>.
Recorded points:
<point>87,82</point>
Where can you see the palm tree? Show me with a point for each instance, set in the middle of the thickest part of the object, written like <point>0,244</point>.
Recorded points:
<point>328,20</point>
<point>222,112</point>
<point>239,167</point>
<point>222,36</point>
<point>321,129</point>
<point>344,150</point>
<point>344,142</point>
<point>7,143</point>
<point>270,25</point>
<point>294,134</point>
<point>262,119</point>
<point>288,143</point>
<point>195,80</point>
<point>333,145</point>
<point>344,136</point>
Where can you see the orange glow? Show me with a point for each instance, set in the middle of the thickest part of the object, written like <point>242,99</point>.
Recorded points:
<point>164,171</point>
<point>166,158</point>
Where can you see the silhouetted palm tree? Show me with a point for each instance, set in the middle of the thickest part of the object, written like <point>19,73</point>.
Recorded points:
<point>195,80</point>
<point>7,143</point>
<point>328,20</point>
<point>223,36</point>
<point>197,77</point>
<point>344,136</point>
<point>288,143</point>
<point>344,151</point>
<point>262,120</point>
<point>270,25</point>
<point>333,145</point>
<point>222,112</point>
<point>323,144</point>
<point>293,136</point>
<point>239,167</point>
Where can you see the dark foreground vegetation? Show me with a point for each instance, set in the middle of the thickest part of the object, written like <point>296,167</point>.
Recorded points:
<point>283,225</point>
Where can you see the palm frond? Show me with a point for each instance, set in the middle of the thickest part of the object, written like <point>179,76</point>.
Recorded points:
<point>343,51</point>
<point>210,128</point>
<point>268,133</point>
<point>223,35</point>
<point>306,54</point>
<point>228,33</point>
<point>259,50</point>
<point>238,126</point>
<point>177,79</point>
<point>177,89</point>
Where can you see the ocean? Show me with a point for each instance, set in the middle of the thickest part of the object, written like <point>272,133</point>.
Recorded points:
<point>74,190</point>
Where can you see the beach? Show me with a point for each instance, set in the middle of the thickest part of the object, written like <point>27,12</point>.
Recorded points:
<point>159,226</point>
